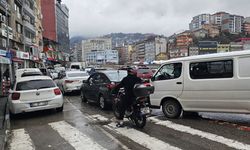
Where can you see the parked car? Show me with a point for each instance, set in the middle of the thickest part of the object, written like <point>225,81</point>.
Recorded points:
<point>144,72</point>
<point>71,80</point>
<point>33,94</point>
<point>27,72</point>
<point>99,85</point>
<point>205,83</point>
<point>53,73</point>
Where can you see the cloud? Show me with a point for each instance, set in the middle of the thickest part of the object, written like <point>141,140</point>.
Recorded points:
<point>99,17</point>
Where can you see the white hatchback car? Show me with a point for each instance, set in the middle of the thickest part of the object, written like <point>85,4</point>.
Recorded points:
<point>33,94</point>
<point>72,81</point>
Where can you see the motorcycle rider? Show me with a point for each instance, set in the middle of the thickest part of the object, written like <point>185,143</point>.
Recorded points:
<point>126,102</point>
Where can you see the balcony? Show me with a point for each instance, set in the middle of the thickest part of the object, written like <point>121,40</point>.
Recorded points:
<point>29,26</point>
<point>29,10</point>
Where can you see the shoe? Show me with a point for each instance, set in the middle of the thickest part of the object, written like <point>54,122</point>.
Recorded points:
<point>128,113</point>
<point>120,124</point>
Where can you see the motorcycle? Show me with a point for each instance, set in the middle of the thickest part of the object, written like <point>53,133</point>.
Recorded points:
<point>140,108</point>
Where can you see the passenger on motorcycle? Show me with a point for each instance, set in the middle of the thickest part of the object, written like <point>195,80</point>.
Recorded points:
<point>128,84</point>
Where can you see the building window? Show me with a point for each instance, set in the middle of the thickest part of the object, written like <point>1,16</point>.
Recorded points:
<point>212,69</point>
<point>18,28</point>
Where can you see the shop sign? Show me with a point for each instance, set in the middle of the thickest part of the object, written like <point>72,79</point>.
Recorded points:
<point>4,60</point>
<point>2,52</point>
<point>22,55</point>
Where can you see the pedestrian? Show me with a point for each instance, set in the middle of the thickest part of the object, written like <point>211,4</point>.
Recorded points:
<point>6,74</point>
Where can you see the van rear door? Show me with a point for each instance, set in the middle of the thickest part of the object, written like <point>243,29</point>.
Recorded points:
<point>168,82</point>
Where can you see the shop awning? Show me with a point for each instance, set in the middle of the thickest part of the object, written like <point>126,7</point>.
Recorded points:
<point>4,60</point>
<point>17,60</point>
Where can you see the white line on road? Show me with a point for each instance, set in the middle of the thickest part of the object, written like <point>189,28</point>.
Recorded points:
<point>210,136</point>
<point>75,138</point>
<point>142,138</point>
<point>21,140</point>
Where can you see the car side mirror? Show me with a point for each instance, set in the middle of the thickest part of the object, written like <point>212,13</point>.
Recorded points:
<point>153,78</point>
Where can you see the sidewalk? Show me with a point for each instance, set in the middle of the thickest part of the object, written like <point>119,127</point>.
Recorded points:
<point>4,122</point>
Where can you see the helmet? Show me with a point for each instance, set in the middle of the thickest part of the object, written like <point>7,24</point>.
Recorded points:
<point>131,71</point>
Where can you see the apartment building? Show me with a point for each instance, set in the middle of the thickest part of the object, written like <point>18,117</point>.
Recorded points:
<point>198,21</point>
<point>102,57</point>
<point>232,23</point>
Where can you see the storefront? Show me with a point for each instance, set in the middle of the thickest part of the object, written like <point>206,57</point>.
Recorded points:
<point>4,72</point>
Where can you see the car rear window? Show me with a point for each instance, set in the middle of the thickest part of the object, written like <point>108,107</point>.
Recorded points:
<point>116,76</point>
<point>143,70</point>
<point>77,74</point>
<point>26,74</point>
<point>34,84</point>
<point>75,67</point>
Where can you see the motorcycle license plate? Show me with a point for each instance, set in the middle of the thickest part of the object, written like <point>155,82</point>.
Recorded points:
<point>145,110</point>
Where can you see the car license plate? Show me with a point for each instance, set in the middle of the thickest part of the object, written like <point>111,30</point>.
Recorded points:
<point>145,110</point>
<point>38,104</point>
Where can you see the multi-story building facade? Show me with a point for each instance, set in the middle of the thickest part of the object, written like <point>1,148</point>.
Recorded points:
<point>198,21</point>
<point>232,23</point>
<point>160,48</point>
<point>207,47</point>
<point>216,19</point>
<point>123,54</point>
<point>62,27</point>
<point>95,44</point>
<point>246,27</point>
<point>140,51</point>
<point>221,48</point>
<point>102,57</point>
<point>150,50</point>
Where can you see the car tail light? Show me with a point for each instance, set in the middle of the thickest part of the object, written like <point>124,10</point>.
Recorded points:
<point>69,81</point>
<point>15,96</point>
<point>147,84</point>
<point>110,86</point>
<point>57,91</point>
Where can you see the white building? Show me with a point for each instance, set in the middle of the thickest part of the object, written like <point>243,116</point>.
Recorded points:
<point>198,21</point>
<point>96,44</point>
<point>102,57</point>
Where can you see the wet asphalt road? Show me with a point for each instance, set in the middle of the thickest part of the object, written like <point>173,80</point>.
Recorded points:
<point>85,126</point>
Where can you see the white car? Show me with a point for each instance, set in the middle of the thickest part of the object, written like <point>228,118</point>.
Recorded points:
<point>27,72</point>
<point>72,80</point>
<point>33,94</point>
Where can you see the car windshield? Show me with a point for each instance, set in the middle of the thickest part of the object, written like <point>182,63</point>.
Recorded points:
<point>82,74</point>
<point>143,70</point>
<point>34,84</point>
<point>116,76</point>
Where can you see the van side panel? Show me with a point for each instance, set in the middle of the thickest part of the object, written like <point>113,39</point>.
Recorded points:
<point>218,94</point>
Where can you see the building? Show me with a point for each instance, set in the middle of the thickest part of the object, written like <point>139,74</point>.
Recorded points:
<point>102,57</point>
<point>95,44</point>
<point>193,50</point>
<point>183,41</point>
<point>49,31</point>
<point>198,21</point>
<point>200,33</point>
<point>216,19</point>
<point>160,48</point>
<point>213,30</point>
<point>246,27</point>
<point>62,27</point>
<point>221,48</point>
<point>150,50</point>
<point>140,51</point>
<point>123,54</point>
<point>232,23</point>
<point>207,47</point>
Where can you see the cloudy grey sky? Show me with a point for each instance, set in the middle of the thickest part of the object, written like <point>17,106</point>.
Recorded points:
<point>98,17</point>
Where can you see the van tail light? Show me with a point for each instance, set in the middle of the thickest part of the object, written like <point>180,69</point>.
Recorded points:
<point>57,91</point>
<point>15,96</point>
<point>69,81</point>
<point>110,86</point>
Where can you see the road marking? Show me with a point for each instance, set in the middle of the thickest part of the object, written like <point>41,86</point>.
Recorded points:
<point>75,138</point>
<point>99,117</point>
<point>21,140</point>
<point>141,138</point>
<point>213,137</point>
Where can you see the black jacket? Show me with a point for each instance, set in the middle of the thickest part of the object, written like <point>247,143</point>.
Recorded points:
<point>128,83</point>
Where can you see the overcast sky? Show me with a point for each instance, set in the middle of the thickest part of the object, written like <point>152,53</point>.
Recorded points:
<point>92,18</point>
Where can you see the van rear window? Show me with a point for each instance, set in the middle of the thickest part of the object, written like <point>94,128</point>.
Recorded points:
<point>211,69</point>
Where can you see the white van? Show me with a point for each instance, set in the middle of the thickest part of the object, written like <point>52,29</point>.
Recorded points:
<point>205,83</point>
<point>77,65</point>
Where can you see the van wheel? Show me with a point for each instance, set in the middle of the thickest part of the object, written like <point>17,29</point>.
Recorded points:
<point>171,109</point>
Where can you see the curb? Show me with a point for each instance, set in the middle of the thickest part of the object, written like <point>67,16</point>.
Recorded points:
<point>6,127</point>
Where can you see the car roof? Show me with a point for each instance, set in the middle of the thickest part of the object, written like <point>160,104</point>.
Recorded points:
<point>28,69</point>
<point>29,78</point>
<point>75,71</point>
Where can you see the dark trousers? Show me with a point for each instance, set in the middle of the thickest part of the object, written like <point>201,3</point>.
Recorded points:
<point>125,104</point>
